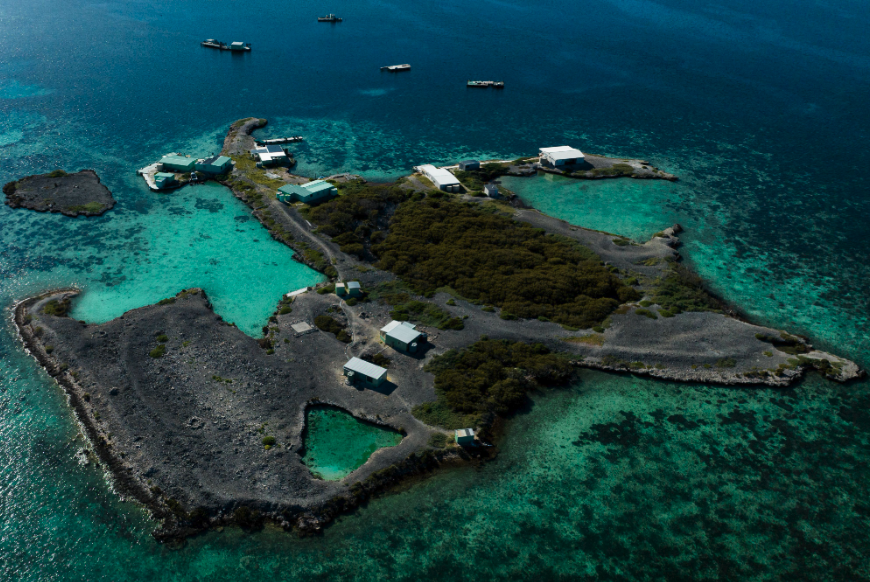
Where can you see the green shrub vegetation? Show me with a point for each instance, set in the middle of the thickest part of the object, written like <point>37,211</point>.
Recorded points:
<point>93,207</point>
<point>785,343</point>
<point>439,414</point>
<point>726,363</point>
<point>353,219</point>
<point>269,441</point>
<point>492,259</point>
<point>162,338</point>
<point>56,308</point>
<point>494,375</point>
<point>646,313</point>
<point>405,308</point>
<point>158,351</point>
<point>330,325</point>
<point>681,290</point>
<point>475,179</point>
<point>167,301</point>
<point>438,440</point>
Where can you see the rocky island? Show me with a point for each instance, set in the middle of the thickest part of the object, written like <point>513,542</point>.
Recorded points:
<point>206,425</point>
<point>78,194</point>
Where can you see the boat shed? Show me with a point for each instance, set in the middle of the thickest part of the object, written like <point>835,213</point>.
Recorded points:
<point>164,180</point>
<point>466,165</point>
<point>310,193</point>
<point>270,155</point>
<point>442,179</point>
<point>366,373</point>
<point>403,336</point>
<point>561,156</point>
<point>214,165</point>
<point>176,163</point>
<point>464,436</point>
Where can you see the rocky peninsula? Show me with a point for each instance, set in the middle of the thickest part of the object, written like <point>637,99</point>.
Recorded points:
<point>78,194</point>
<point>175,401</point>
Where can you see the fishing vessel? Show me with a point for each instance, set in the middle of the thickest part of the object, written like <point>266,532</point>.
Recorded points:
<point>396,68</point>
<point>328,18</point>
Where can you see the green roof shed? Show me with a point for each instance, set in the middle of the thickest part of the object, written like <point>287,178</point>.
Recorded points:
<point>175,163</point>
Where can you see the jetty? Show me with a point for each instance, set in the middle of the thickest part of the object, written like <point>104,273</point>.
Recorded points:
<point>328,18</point>
<point>486,84</point>
<point>279,140</point>
<point>234,46</point>
<point>396,68</point>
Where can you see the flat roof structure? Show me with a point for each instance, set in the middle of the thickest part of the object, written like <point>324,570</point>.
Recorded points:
<point>301,327</point>
<point>270,153</point>
<point>440,177</point>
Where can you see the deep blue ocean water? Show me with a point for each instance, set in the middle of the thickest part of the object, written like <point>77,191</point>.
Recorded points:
<point>761,109</point>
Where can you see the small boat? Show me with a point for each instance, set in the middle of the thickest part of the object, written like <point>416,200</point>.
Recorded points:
<point>216,44</point>
<point>396,68</point>
<point>486,84</point>
<point>328,18</point>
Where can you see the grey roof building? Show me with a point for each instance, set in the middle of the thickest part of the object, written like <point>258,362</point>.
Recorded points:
<point>366,373</point>
<point>403,336</point>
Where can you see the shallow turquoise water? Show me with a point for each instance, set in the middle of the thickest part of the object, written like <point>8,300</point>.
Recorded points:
<point>337,444</point>
<point>759,107</point>
<point>150,247</point>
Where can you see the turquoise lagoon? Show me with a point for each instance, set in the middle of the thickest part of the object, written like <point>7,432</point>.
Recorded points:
<point>759,107</point>
<point>337,443</point>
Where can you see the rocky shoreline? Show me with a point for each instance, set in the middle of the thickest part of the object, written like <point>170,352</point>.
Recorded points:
<point>78,194</point>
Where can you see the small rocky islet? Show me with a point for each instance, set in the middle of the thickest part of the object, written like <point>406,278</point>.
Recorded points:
<point>77,194</point>
<point>206,425</point>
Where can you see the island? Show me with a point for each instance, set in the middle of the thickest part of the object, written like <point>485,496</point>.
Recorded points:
<point>441,313</point>
<point>78,194</point>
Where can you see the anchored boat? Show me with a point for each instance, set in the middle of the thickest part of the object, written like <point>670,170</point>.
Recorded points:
<point>235,46</point>
<point>486,84</point>
<point>279,140</point>
<point>396,68</point>
<point>328,18</point>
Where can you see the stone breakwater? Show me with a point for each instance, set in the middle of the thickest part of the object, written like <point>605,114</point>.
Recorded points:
<point>79,194</point>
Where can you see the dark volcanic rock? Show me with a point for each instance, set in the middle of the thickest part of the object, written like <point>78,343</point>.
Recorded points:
<point>79,194</point>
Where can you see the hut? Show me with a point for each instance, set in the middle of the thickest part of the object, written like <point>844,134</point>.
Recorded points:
<point>164,180</point>
<point>310,193</point>
<point>464,436</point>
<point>361,372</point>
<point>403,336</point>
<point>468,165</point>
<point>491,190</point>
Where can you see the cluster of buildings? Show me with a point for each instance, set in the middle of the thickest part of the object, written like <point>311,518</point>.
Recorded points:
<point>172,164</point>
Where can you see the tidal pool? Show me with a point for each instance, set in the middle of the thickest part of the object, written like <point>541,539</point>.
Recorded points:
<point>337,443</point>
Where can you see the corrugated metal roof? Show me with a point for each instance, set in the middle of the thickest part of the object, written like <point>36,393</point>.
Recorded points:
<point>404,334</point>
<point>465,432</point>
<point>391,326</point>
<point>318,186</point>
<point>440,176</point>
<point>365,368</point>
<point>562,153</point>
<point>353,285</point>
